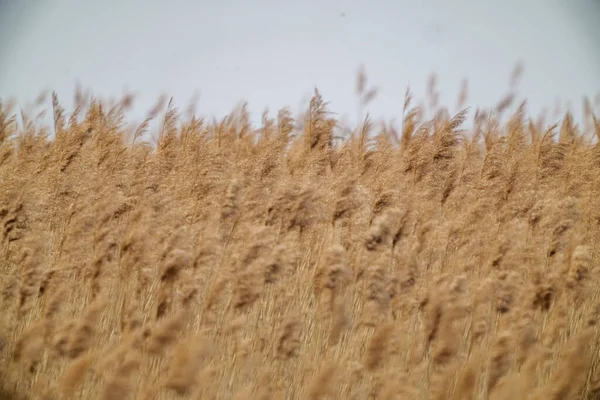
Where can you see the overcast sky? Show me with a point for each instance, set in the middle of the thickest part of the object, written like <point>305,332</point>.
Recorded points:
<point>274,52</point>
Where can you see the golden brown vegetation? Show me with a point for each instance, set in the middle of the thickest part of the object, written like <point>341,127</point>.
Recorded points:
<point>228,262</point>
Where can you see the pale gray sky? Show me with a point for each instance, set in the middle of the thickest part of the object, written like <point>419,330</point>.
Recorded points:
<point>274,52</point>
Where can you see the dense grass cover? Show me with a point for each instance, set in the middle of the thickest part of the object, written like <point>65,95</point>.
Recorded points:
<point>298,260</point>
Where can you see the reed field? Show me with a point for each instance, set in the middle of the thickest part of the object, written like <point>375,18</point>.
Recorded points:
<point>184,258</point>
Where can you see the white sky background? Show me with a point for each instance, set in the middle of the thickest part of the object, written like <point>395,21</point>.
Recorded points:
<point>272,53</point>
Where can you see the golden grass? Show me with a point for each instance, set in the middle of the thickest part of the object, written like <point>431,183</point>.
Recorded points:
<point>228,262</point>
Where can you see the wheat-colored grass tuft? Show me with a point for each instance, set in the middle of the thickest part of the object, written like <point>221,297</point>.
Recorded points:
<point>300,258</point>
